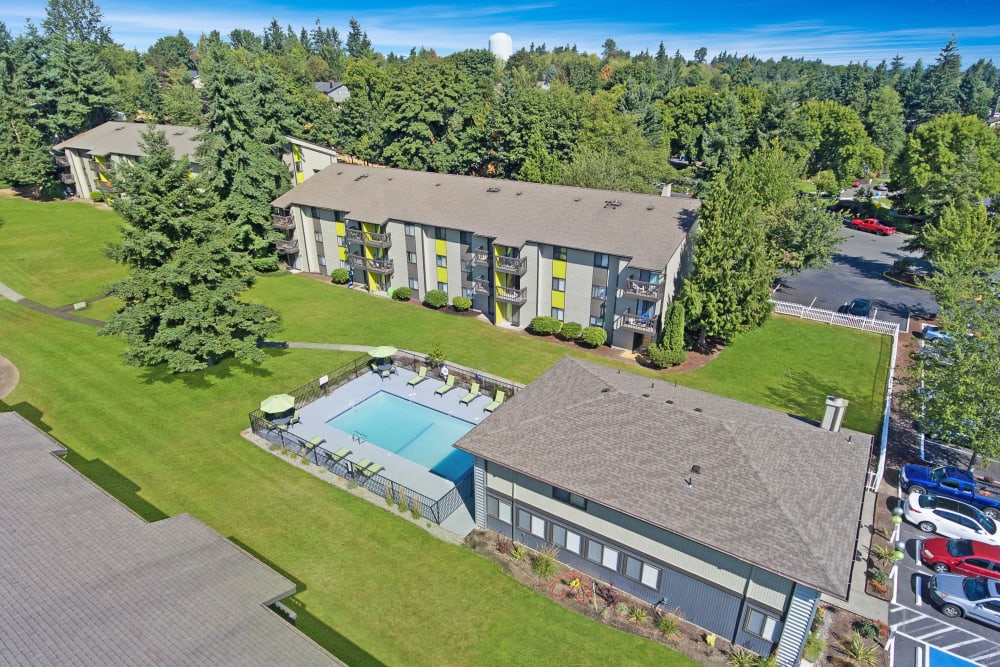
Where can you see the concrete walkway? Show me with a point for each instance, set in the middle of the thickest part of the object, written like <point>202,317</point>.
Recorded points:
<point>21,300</point>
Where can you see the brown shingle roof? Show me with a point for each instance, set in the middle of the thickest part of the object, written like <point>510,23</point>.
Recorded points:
<point>774,490</point>
<point>123,139</point>
<point>647,228</point>
<point>87,582</point>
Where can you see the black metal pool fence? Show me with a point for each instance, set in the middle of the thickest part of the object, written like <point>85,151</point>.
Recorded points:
<point>436,510</point>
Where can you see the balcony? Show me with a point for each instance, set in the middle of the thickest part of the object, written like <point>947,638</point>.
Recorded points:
<point>481,287</point>
<point>370,239</point>
<point>514,265</point>
<point>67,178</point>
<point>479,257</point>
<point>646,325</point>
<point>287,246</point>
<point>642,290</point>
<point>101,168</point>
<point>512,295</point>
<point>382,267</point>
<point>61,160</point>
<point>104,186</point>
<point>285,222</point>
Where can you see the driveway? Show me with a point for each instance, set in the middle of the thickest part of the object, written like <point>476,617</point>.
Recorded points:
<point>856,271</point>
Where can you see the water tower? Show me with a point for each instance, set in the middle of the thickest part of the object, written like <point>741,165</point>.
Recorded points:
<point>501,45</point>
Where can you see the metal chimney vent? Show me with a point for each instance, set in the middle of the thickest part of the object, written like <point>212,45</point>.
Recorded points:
<point>833,417</point>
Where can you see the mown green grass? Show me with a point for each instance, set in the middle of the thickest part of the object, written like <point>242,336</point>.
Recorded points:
<point>376,588</point>
<point>54,252</point>
<point>166,445</point>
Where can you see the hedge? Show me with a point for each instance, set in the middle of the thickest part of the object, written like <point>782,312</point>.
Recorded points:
<point>571,330</point>
<point>543,325</point>
<point>461,303</point>
<point>436,298</point>
<point>594,336</point>
<point>402,294</point>
<point>340,276</point>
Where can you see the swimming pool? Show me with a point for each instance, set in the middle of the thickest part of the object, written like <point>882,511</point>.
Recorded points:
<point>420,434</point>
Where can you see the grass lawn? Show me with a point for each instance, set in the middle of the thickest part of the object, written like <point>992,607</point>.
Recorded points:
<point>166,445</point>
<point>53,252</point>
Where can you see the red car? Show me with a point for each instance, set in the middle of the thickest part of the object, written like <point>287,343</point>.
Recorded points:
<point>873,225</point>
<point>965,557</point>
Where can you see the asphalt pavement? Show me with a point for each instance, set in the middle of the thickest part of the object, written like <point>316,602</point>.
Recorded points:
<point>856,272</point>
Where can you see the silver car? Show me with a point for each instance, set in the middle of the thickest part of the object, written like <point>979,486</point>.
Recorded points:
<point>972,597</point>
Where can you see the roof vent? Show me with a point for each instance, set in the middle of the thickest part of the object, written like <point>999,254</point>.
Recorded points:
<point>670,401</point>
<point>389,179</point>
<point>606,390</point>
<point>577,199</point>
<point>649,208</point>
<point>690,482</point>
<point>179,133</point>
<point>518,194</point>
<point>696,469</point>
<point>613,203</point>
<point>697,409</point>
<point>364,175</point>
<point>834,414</point>
<point>437,185</point>
<point>645,395</point>
<point>493,188</point>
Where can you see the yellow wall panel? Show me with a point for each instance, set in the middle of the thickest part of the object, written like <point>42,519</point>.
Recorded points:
<point>442,275</point>
<point>440,247</point>
<point>558,268</point>
<point>558,299</point>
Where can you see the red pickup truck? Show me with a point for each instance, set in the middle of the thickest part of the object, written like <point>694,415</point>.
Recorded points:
<point>872,225</point>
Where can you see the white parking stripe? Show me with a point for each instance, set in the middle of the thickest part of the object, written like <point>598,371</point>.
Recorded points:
<point>966,642</point>
<point>941,631</point>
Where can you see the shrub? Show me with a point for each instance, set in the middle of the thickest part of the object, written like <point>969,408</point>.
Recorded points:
<point>352,484</point>
<point>638,615</point>
<point>861,652</point>
<point>594,336</point>
<point>742,657</point>
<point>461,303</point>
<point>571,330</point>
<point>543,325</point>
<point>883,555</point>
<point>880,577</point>
<point>402,294</point>
<point>402,504</point>
<point>504,545</point>
<point>868,629</point>
<point>339,276</point>
<point>819,619</point>
<point>389,500</point>
<point>518,552</point>
<point>622,608</point>
<point>96,195</point>
<point>415,510</point>
<point>436,298</point>
<point>661,357</point>
<point>814,647</point>
<point>669,626</point>
<point>436,355</point>
<point>544,566</point>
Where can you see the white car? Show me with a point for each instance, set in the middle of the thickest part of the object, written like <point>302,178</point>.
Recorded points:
<point>950,518</point>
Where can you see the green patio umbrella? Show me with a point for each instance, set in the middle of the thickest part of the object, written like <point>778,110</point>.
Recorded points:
<point>277,403</point>
<point>382,351</point>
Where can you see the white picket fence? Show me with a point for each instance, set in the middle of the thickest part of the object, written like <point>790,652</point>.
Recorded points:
<point>835,318</point>
<point>865,324</point>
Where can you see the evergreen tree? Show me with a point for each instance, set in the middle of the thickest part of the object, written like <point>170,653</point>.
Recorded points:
<point>669,351</point>
<point>358,44</point>
<point>242,139</point>
<point>181,303</point>
<point>728,292</point>
<point>964,237</point>
<point>941,83</point>
<point>24,157</point>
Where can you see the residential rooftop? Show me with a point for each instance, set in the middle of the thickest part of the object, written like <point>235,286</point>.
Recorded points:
<point>123,139</point>
<point>646,228</point>
<point>87,582</point>
<point>773,490</point>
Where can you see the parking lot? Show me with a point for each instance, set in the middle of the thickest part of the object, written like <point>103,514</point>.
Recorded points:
<point>856,271</point>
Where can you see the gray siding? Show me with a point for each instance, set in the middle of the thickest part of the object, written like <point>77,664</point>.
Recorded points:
<point>479,491</point>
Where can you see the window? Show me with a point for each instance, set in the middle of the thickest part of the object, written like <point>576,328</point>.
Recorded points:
<point>559,314</point>
<point>531,523</point>
<point>443,286</point>
<point>498,509</point>
<point>633,568</point>
<point>410,229</point>
<point>600,260</point>
<point>414,283</point>
<point>558,252</point>
<point>344,264</point>
<point>639,570</point>
<point>559,284</point>
<point>595,551</point>
<point>596,321</point>
<point>466,238</point>
<point>440,233</point>
<point>572,542</point>
<point>468,292</point>
<point>599,292</point>
<point>558,535</point>
<point>322,260</point>
<point>319,237</point>
<point>342,241</point>
<point>442,261</point>
<point>411,257</point>
<point>567,497</point>
<point>650,576</point>
<point>610,559</point>
<point>760,624</point>
<point>524,520</point>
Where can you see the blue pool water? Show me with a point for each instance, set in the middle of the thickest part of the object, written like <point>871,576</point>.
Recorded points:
<point>422,435</point>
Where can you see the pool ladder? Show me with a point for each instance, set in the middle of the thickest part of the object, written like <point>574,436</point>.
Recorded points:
<point>359,437</point>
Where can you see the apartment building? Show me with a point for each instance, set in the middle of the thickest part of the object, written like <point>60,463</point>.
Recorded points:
<point>518,250</point>
<point>87,160</point>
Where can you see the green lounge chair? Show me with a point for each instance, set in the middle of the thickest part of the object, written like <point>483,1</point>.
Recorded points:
<point>496,402</point>
<point>385,373</point>
<point>316,442</point>
<point>361,465</point>
<point>419,377</point>
<point>372,469</point>
<point>339,455</point>
<point>471,396</point>
<point>295,418</point>
<point>446,387</point>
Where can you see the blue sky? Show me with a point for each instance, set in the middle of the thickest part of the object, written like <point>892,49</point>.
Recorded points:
<point>834,32</point>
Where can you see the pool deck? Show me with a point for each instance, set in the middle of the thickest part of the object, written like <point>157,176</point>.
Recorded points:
<point>397,468</point>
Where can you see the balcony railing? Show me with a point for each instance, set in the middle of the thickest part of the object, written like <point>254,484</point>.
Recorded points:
<point>380,266</point>
<point>67,178</point>
<point>479,257</point>
<point>61,160</point>
<point>515,265</point>
<point>370,239</point>
<point>104,186</point>
<point>101,167</point>
<point>646,325</point>
<point>512,295</point>
<point>288,246</point>
<point>282,221</point>
<point>643,290</point>
<point>481,287</point>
